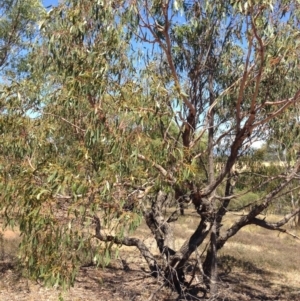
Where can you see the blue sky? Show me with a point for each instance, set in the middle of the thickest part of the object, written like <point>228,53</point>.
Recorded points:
<point>49,2</point>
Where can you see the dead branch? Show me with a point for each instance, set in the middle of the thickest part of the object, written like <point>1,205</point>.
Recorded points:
<point>286,218</point>
<point>277,226</point>
<point>65,120</point>
<point>130,242</point>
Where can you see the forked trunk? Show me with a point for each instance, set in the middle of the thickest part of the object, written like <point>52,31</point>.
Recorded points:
<point>175,270</point>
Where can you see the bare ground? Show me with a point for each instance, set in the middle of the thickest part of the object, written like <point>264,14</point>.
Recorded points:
<point>254,265</point>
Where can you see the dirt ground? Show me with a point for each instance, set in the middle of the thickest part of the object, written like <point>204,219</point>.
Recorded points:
<point>132,283</point>
<point>255,265</point>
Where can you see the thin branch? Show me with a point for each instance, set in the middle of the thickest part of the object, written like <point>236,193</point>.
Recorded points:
<point>289,191</point>
<point>166,48</point>
<point>65,120</point>
<point>168,51</point>
<point>254,188</point>
<point>286,218</point>
<point>243,82</point>
<point>258,78</point>
<point>127,241</point>
<point>257,209</point>
<point>163,171</point>
<point>287,103</point>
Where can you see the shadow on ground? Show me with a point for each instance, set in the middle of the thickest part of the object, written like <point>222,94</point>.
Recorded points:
<point>246,283</point>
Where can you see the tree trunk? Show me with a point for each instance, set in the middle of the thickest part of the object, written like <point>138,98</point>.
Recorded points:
<point>210,262</point>
<point>212,271</point>
<point>174,273</point>
<point>160,227</point>
<point>210,265</point>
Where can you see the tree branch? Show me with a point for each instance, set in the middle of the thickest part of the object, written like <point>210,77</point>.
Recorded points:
<point>257,209</point>
<point>286,103</point>
<point>243,82</point>
<point>276,226</point>
<point>65,120</point>
<point>128,241</point>
<point>163,171</point>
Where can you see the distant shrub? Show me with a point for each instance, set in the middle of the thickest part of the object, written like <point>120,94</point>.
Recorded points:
<point>243,201</point>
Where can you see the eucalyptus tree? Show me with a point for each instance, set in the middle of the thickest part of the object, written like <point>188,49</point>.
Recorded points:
<point>132,102</point>
<point>231,65</point>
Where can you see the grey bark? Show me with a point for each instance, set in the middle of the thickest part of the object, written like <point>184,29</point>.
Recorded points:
<point>128,241</point>
<point>174,272</point>
<point>212,271</point>
<point>159,226</point>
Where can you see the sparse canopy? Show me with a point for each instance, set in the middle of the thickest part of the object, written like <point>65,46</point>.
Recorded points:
<point>142,104</point>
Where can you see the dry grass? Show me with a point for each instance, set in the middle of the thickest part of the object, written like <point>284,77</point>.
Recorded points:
<point>256,264</point>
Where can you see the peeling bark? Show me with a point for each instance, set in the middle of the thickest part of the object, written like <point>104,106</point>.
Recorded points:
<point>160,227</point>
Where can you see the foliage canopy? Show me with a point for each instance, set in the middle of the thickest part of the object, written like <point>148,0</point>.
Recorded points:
<point>118,104</point>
